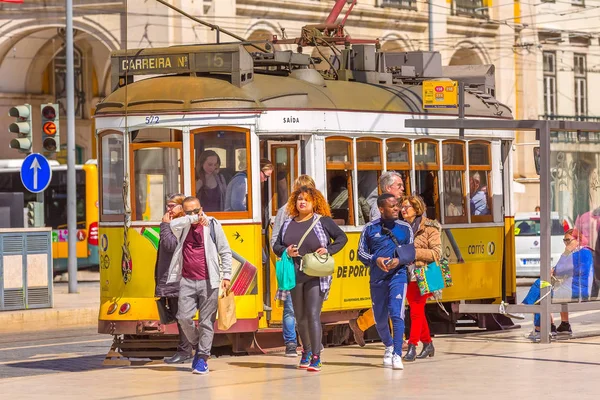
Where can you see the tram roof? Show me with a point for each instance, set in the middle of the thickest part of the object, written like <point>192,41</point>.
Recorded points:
<point>182,94</point>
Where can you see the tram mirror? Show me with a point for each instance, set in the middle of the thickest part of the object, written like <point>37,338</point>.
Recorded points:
<point>536,159</point>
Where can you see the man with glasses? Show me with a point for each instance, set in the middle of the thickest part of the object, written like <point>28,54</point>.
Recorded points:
<point>198,263</point>
<point>389,182</point>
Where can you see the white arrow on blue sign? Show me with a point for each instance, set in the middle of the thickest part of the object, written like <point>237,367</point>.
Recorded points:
<point>36,173</point>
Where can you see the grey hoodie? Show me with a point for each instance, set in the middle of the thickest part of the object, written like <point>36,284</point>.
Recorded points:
<point>218,255</point>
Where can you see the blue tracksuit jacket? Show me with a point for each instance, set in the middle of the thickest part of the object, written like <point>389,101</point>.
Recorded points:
<point>374,243</point>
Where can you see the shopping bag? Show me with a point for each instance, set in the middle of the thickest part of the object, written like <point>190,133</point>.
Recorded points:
<point>226,309</point>
<point>429,278</point>
<point>285,272</point>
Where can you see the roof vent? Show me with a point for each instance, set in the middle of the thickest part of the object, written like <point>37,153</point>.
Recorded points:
<point>311,76</point>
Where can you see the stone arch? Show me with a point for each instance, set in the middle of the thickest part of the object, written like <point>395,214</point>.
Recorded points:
<point>37,46</point>
<point>469,53</point>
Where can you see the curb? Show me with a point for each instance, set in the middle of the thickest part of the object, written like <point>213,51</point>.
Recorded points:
<point>47,319</point>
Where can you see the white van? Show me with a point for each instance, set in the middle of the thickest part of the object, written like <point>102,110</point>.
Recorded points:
<point>527,242</point>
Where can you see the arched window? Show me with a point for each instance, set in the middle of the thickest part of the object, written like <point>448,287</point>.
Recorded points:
<point>60,81</point>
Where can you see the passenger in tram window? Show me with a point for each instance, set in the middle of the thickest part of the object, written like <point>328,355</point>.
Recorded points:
<point>479,199</point>
<point>210,184</point>
<point>386,247</point>
<point>236,196</point>
<point>169,292</point>
<point>202,265</point>
<point>428,248</point>
<point>389,182</point>
<point>289,319</point>
<point>310,219</point>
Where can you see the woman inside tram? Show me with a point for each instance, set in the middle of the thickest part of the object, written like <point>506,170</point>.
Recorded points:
<point>309,229</point>
<point>210,184</point>
<point>428,246</point>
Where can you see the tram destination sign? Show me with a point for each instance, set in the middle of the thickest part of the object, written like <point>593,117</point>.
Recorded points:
<point>149,64</point>
<point>440,94</point>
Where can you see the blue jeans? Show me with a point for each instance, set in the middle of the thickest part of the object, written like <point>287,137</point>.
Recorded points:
<point>289,321</point>
<point>388,298</point>
<point>532,296</point>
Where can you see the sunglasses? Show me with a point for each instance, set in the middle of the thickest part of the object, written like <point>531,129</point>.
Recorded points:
<point>192,212</point>
<point>567,241</point>
<point>172,205</point>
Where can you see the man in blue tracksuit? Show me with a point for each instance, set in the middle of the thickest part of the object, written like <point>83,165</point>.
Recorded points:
<point>386,246</point>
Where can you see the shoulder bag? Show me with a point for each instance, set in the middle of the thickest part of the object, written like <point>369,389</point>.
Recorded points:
<point>315,264</point>
<point>433,277</point>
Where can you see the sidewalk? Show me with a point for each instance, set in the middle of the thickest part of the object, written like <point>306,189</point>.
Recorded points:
<point>78,310</point>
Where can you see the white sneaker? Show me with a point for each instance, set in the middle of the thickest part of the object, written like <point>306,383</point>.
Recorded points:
<point>387,356</point>
<point>397,362</point>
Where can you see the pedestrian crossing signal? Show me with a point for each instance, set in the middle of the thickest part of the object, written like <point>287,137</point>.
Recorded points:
<point>50,128</point>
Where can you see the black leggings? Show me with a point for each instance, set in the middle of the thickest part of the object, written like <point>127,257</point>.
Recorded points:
<point>308,301</point>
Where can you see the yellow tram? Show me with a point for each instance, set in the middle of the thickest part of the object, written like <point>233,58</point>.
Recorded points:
<point>343,132</point>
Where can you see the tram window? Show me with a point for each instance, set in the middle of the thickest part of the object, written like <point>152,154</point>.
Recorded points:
<point>285,160</point>
<point>111,155</point>
<point>338,151</point>
<point>221,170</point>
<point>368,154</point>
<point>339,191</point>
<point>339,179</point>
<point>480,169</point>
<point>398,159</point>
<point>454,188</point>
<point>427,188</point>
<point>426,176</point>
<point>156,173</point>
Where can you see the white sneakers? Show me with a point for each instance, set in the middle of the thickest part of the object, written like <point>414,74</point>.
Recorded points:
<point>392,360</point>
<point>397,362</point>
<point>388,356</point>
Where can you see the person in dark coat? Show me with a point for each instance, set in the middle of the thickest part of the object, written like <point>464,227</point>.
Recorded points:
<point>169,292</point>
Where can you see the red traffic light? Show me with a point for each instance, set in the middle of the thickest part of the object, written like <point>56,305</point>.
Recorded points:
<point>49,112</point>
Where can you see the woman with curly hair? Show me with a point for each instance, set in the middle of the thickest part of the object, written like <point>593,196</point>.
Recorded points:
<point>305,206</point>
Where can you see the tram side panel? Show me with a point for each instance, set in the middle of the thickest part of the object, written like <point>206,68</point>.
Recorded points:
<point>127,303</point>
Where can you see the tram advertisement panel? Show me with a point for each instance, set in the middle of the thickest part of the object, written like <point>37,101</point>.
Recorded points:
<point>475,256</point>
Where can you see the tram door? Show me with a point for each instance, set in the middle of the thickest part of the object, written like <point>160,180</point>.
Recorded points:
<point>285,157</point>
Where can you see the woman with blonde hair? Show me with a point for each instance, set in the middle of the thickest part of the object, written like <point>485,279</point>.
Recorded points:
<point>428,248</point>
<point>309,229</point>
<point>169,292</point>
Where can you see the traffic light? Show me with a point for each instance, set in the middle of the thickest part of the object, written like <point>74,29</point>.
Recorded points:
<point>22,127</point>
<point>50,128</point>
<point>35,214</point>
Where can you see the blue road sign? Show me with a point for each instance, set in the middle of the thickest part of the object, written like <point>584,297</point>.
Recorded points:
<point>36,173</point>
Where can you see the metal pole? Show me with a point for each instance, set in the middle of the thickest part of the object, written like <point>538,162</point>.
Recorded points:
<point>71,195</point>
<point>461,106</point>
<point>430,23</point>
<point>545,223</point>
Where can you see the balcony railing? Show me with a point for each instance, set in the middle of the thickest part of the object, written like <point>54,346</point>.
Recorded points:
<point>469,8</point>
<point>403,4</point>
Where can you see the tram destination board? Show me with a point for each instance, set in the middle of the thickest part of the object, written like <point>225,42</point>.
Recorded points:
<point>144,64</point>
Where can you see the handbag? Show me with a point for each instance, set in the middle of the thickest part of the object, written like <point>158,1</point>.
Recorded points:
<point>433,277</point>
<point>315,264</point>
<point>285,272</point>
